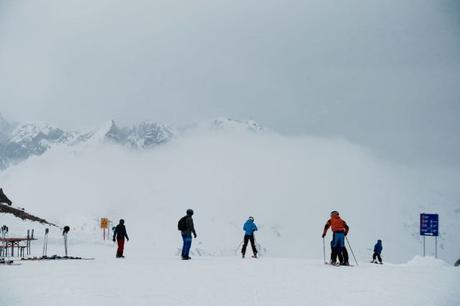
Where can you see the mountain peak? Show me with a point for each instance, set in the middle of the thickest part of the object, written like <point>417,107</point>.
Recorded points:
<point>236,125</point>
<point>113,132</point>
<point>19,141</point>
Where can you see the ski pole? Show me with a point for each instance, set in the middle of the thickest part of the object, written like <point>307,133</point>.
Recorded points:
<point>236,250</point>
<point>45,243</point>
<point>352,253</point>
<point>256,245</point>
<point>65,232</point>
<point>324,251</point>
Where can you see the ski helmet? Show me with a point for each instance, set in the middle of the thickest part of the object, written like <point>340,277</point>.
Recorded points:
<point>189,212</point>
<point>334,212</point>
<point>251,218</point>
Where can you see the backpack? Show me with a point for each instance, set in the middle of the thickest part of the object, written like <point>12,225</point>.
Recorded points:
<point>182,224</point>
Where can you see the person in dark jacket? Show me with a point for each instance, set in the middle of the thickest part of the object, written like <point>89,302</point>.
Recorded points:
<point>249,228</point>
<point>187,234</point>
<point>340,230</point>
<point>120,234</point>
<point>377,252</point>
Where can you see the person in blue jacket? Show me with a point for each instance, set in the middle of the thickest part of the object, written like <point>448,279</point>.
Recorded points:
<point>249,228</point>
<point>377,251</point>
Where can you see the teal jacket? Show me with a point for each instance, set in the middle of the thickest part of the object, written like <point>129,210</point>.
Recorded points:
<point>249,227</point>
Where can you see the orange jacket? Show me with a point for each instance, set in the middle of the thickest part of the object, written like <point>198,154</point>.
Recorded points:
<point>336,224</point>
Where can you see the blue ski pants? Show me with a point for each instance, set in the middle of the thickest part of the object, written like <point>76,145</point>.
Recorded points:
<point>187,238</point>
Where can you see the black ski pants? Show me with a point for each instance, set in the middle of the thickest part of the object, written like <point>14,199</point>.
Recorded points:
<point>376,255</point>
<point>245,244</point>
<point>343,256</point>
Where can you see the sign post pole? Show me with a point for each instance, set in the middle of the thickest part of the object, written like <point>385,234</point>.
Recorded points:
<point>423,246</point>
<point>429,226</point>
<point>436,247</point>
<point>104,226</point>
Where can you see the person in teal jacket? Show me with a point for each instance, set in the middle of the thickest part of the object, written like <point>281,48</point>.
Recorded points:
<point>249,228</point>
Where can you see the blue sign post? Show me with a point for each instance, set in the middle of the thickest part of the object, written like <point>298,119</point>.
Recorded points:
<point>429,226</point>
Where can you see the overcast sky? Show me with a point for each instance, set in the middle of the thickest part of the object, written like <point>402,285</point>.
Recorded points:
<point>385,74</point>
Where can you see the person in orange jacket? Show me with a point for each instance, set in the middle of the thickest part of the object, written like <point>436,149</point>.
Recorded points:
<point>339,229</point>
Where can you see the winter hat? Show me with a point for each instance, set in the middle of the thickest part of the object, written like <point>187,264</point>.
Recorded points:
<point>251,218</point>
<point>189,212</point>
<point>334,212</point>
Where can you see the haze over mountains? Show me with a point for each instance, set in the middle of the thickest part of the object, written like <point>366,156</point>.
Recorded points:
<point>226,170</point>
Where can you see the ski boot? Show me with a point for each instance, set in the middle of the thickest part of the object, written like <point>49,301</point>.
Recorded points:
<point>334,263</point>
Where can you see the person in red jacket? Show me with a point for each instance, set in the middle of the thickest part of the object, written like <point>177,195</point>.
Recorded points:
<point>339,229</point>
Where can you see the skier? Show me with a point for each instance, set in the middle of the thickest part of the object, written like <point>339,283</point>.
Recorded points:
<point>187,228</point>
<point>340,229</point>
<point>377,251</point>
<point>119,234</point>
<point>341,256</point>
<point>249,228</point>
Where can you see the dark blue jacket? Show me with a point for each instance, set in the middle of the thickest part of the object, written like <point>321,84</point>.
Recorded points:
<point>378,247</point>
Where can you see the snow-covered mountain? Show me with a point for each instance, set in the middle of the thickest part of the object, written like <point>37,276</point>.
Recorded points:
<point>20,141</point>
<point>223,123</point>
<point>147,134</point>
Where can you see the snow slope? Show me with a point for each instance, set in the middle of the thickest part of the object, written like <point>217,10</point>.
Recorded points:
<point>141,279</point>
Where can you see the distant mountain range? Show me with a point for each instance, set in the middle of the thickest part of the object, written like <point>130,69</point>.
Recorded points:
<point>19,141</point>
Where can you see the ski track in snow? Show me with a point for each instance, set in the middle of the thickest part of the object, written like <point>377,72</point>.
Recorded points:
<point>142,279</point>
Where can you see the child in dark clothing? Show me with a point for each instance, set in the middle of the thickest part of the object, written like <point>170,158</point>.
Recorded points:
<point>377,251</point>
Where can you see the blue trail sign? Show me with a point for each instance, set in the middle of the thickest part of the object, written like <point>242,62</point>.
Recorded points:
<point>429,225</point>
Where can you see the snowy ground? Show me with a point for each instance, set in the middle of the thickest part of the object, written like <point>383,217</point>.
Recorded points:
<point>289,185</point>
<point>141,279</point>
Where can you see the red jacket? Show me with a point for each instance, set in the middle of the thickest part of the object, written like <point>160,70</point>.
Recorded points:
<point>336,224</point>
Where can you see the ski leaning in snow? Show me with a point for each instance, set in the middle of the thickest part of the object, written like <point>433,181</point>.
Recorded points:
<point>56,257</point>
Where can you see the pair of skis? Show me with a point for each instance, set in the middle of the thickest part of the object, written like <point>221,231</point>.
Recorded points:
<point>8,262</point>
